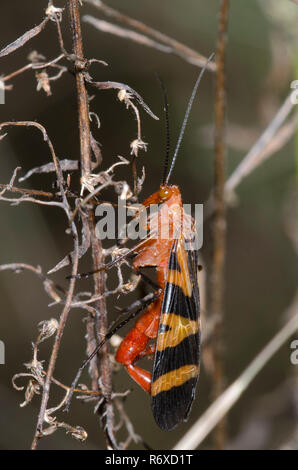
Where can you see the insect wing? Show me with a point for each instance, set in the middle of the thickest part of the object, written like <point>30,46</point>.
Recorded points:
<point>176,363</point>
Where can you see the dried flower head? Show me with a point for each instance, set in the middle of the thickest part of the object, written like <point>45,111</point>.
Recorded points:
<point>36,368</point>
<point>43,82</point>
<point>136,145</point>
<point>33,388</point>
<point>47,329</point>
<point>79,433</point>
<point>54,13</point>
<point>124,95</point>
<point>90,180</point>
<point>36,57</point>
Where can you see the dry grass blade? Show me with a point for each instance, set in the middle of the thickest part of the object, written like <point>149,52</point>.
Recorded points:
<point>66,165</point>
<point>23,39</point>
<point>275,136</point>
<point>219,408</point>
<point>106,27</point>
<point>259,150</point>
<point>186,53</point>
<point>121,86</point>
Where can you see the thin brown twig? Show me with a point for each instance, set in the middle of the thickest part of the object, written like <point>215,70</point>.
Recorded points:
<point>31,192</point>
<point>56,382</point>
<point>98,313</point>
<point>33,66</point>
<point>16,72</point>
<point>219,221</point>
<point>24,38</point>
<point>50,286</point>
<point>83,108</point>
<point>120,86</point>
<point>101,328</point>
<point>179,49</point>
<point>64,314</point>
<point>132,436</point>
<point>59,32</point>
<point>17,201</point>
<point>85,148</point>
<point>50,145</point>
<point>111,28</point>
<point>55,350</point>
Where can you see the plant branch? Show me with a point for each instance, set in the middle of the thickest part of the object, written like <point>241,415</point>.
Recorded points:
<point>219,221</point>
<point>177,48</point>
<point>97,252</point>
<point>258,151</point>
<point>274,137</point>
<point>111,28</point>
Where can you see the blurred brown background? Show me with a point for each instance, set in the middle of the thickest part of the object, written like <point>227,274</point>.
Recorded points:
<point>261,268</point>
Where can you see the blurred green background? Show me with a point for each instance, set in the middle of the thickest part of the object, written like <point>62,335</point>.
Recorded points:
<point>261,265</point>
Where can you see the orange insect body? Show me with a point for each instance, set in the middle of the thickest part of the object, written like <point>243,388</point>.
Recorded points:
<point>174,317</point>
<point>154,252</point>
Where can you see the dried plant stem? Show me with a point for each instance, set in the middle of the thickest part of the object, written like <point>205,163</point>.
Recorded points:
<point>85,148</point>
<point>24,38</point>
<point>97,252</point>
<point>211,417</point>
<point>63,318</point>
<point>34,66</point>
<point>186,53</point>
<point>275,136</point>
<point>31,192</point>
<point>101,328</point>
<point>219,221</point>
<point>111,28</point>
<point>69,297</point>
<point>83,108</point>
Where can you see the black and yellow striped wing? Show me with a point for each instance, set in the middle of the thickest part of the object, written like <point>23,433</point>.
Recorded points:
<point>177,356</point>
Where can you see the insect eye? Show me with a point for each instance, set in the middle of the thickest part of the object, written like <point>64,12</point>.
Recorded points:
<point>164,193</point>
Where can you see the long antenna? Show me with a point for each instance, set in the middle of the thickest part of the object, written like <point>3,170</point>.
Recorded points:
<point>166,110</point>
<point>194,91</point>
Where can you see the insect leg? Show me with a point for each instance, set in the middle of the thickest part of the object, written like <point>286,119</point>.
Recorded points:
<point>148,280</point>
<point>149,351</point>
<point>135,345</point>
<point>147,300</point>
<point>140,304</point>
